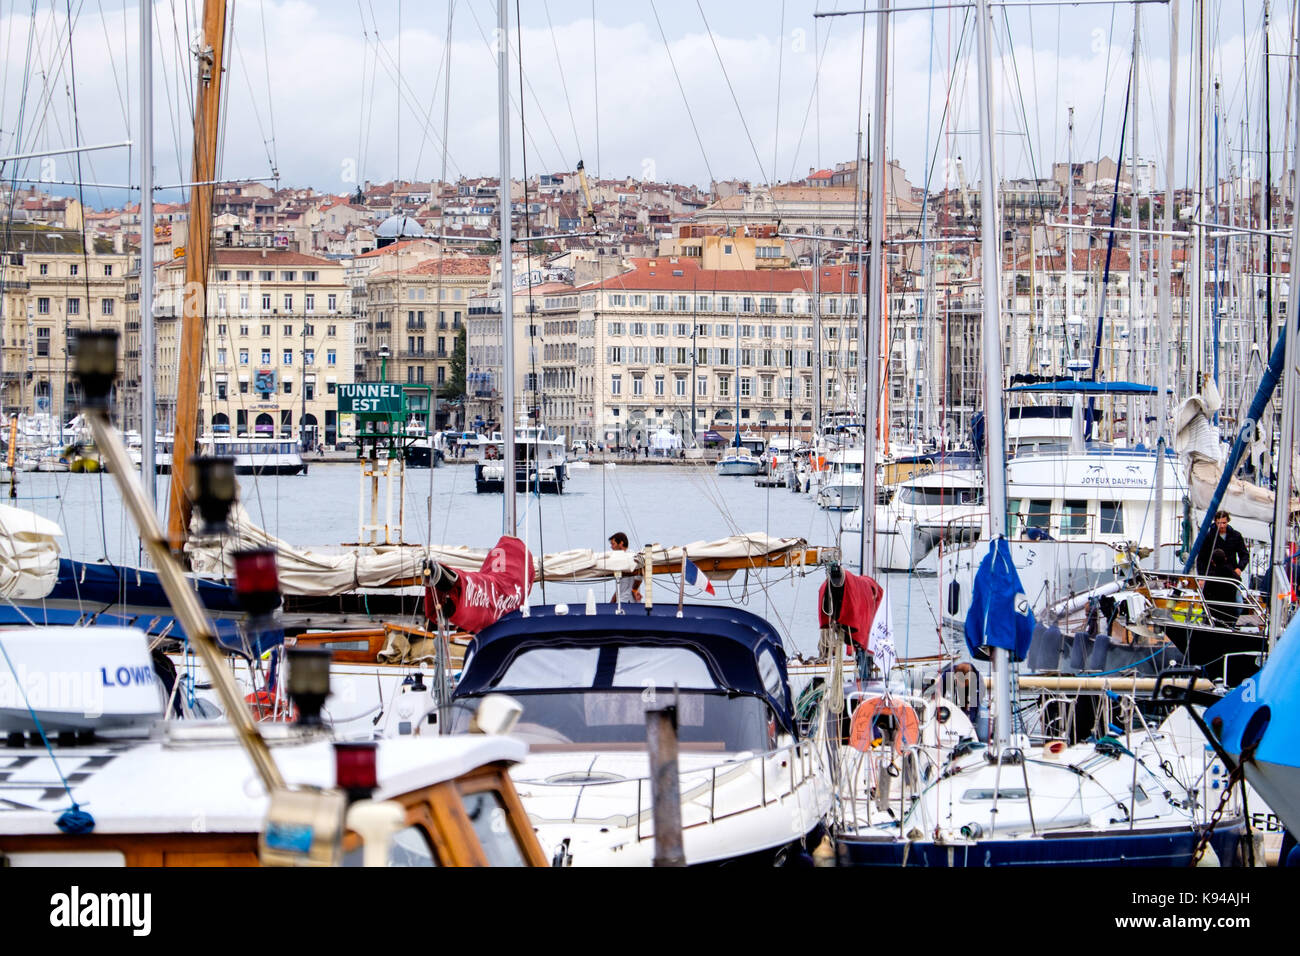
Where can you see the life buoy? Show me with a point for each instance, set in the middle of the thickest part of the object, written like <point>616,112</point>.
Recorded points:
<point>491,453</point>
<point>263,703</point>
<point>862,730</point>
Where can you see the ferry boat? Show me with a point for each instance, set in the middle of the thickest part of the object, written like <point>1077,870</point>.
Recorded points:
<point>253,456</point>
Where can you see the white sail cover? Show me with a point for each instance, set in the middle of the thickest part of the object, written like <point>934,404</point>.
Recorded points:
<point>29,554</point>
<point>1203,454</point>
<point>321,573</point>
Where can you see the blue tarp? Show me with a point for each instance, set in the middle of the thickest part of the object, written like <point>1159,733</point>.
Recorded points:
<point>999,614</point>
<point>1264,711</point>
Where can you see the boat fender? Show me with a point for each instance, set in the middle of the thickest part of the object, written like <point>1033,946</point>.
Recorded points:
<point>954,596</point>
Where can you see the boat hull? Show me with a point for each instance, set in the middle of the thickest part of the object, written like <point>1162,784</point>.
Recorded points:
<point>1157,848</point>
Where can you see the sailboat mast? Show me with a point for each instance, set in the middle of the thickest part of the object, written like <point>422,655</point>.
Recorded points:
<point>995,450</point>
<point>1286,441</point>
<point>198,242</point>
<point>507,272</point>
<point>1134,240</point>
<point>1165,301</point>
<point>1069,236</point>
<point>148,398</point>
<point>869,345</point>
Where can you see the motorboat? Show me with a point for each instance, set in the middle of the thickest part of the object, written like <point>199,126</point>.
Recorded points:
<point>149,792</point>
<point>840,488</point>
<point>541,464</point>
<point>751,787</point>
<point>941,506</point>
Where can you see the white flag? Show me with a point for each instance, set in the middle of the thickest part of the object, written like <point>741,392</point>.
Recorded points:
<point>880,642</point>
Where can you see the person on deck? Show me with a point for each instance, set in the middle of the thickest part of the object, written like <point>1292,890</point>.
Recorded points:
<point>629,585</point>
<point>1219,590</point>
<point>1228,539</point>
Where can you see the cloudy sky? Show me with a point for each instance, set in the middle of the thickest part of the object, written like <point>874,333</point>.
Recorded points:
<point>332,93</point>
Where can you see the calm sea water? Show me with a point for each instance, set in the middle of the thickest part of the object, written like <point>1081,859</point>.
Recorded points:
<point>653,504</point>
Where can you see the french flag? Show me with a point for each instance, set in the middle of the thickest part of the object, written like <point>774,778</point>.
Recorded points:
<point>696,582</point>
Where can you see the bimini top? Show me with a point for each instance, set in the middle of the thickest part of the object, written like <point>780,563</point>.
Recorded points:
<point>740,651</point>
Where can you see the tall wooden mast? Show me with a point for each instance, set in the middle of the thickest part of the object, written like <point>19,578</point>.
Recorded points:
<point>207,112</point>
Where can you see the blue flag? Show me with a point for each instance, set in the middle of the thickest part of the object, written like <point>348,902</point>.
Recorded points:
<point>999,614</point>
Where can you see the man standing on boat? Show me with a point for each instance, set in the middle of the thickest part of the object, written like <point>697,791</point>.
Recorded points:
<point>629,585</point>
<point>1228,539</point>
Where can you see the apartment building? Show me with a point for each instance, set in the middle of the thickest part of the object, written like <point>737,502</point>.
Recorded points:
<point>278,341</point>
<point>54,288</point>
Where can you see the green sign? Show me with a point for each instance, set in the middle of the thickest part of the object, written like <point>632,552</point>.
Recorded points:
<point>371,399</point>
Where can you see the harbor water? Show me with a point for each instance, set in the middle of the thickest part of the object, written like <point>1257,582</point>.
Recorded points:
<point>651,504</point>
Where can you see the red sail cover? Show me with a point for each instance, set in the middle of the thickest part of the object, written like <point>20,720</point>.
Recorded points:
<point>485,596</point>
<point>862,596</point>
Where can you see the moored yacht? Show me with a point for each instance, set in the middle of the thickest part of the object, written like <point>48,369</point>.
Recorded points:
<point>751,788</point>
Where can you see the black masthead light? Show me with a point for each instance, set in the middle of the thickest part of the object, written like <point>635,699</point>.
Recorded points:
<point>309,682</point>
<point>96,366</point>
<point>212,489</point>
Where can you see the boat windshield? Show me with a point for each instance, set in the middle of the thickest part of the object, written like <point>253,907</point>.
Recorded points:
<point>913,495</point>
<point>600,695</point>
<point>615,719</point>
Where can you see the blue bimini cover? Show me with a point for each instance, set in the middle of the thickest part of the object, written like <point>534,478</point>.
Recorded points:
<point>740,652</point>
<point>999,614</point>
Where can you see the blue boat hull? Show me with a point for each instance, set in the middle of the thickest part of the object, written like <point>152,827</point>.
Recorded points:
<point>1162,848</point>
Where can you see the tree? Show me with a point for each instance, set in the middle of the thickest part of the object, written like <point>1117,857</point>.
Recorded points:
<point>454,387</point>
<point>487,248</point>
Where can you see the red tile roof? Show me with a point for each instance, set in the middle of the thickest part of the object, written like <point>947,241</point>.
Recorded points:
<point>657,274</point>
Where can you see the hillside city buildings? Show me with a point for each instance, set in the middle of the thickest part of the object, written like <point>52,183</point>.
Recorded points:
<point>733,308</point>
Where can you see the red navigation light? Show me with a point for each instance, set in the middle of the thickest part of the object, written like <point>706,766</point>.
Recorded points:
<point>354,768</point>
<point>257,581</point>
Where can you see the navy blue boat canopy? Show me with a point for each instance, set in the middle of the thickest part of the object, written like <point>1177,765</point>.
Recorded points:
<point>720,649</point>
<point>1074,387</point>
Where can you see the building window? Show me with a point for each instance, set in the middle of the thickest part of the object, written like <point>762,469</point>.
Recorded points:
<point>74,307</point>
<point>43,305</point>
<point>288,356</point>
<point>266,304</point>
<point>616,385</point>
<point>266,275</point>
<point>43,342</point>
<point>331,330</point>
<point>746,387</point>
<point>638,384</point>
<point>331,302</point>
<point>331,357</point>
<point>45,268</point>
<point>309,356</point>
<point>266,356</point>
<point>659,385</point>
<point>108,270</point>
<point>309,302</point>
<point>74,269</point>
<point>243,387</point>
<point>288,302</point>
<point>679,386</point>
<point>724,386</point>
<point>106,306</point>
<point>288,386</point>
<point>243,356</point>
<point>288,330</point>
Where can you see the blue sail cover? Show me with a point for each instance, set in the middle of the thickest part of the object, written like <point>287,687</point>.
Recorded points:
<point>999,614</point>
<point>1265,711</point>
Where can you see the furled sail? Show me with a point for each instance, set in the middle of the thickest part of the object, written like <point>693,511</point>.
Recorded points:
<point>1202,453</point>
<point>29,554</point>
<point>320,573</point>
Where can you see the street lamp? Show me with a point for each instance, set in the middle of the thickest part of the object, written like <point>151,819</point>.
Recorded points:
<point>383,363</point>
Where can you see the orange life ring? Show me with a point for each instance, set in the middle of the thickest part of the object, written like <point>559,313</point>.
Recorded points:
<point>263,702</point>
<point>490,453</point>
<point>862,729</point>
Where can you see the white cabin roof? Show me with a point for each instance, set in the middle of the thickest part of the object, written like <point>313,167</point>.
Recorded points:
<point>196,776</point>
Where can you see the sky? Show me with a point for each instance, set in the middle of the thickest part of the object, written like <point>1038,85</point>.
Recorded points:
<point>332,94</point>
